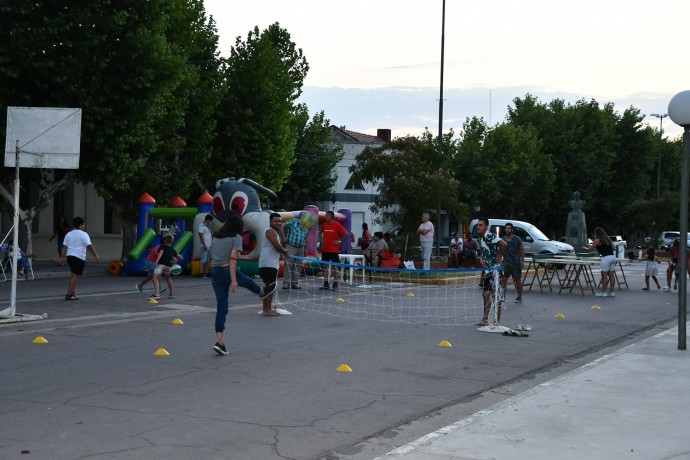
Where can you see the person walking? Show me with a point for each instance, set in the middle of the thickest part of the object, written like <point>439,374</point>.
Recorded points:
<point>426,239</point>
<point>513,260</point>
<point>226,275</point>
<point>206,239</point>
<point>651,268</point>
<point>607,251</point>
<point>293,234</point>
<point>74,248</point>
<point>492,248</point>
<point>269,261</point>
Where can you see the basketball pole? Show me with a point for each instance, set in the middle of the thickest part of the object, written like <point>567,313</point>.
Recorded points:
<point>12,310</point>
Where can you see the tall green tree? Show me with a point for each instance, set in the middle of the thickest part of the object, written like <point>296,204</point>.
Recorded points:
<point>134,68</point>
<point>411,176</point>
<point>316,157</point>
<point>256,124</point>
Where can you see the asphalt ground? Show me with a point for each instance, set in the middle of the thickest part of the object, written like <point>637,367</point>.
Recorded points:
<point>96,389</point>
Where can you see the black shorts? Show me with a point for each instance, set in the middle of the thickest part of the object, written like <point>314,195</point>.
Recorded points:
<point>268,274</point>
<point>514,270</point>
<point>489,280</point>
<point>76,265</point>
<point>330,257</point>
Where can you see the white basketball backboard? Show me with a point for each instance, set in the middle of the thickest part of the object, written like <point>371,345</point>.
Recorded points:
<point>47,137</point>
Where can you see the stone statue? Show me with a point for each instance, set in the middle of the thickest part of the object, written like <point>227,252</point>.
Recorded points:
<point>576,227</point>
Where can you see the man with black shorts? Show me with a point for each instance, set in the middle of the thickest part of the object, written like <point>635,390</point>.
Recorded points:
<point>492,248</point>
<point>74,253</point>
<point>513,259</point>
<point>269,262</point>
<point>332,236</point>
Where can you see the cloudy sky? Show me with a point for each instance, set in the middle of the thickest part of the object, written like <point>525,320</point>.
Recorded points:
<point>376,63</point>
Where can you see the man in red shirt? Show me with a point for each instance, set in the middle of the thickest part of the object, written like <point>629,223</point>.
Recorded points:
<point>332,235</point>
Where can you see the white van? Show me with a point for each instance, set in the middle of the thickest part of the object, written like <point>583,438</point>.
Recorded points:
<point>534,241</point>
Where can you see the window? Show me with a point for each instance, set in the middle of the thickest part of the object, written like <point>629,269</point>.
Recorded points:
<point>354,183</point>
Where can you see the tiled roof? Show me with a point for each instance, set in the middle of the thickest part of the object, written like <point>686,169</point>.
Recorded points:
<point>357,137</point>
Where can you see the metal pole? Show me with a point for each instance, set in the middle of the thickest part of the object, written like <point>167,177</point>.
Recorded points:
<point>683,262</point>
<point>658,173</point>
<point>15,254</point>
<point>440,123</point>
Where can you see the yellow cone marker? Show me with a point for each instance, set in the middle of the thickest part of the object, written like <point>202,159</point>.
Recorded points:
<point>445,343</point>
<point>39,339</point>
<point>343,368</point>
<point>161,352</point>
<point>559,316</point>
<point>152,301</point>
<point>409,294</point>
<point>177,321</point>
<point>596,307</point>
<point>340,299</point>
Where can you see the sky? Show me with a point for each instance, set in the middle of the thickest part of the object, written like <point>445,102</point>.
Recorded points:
<point>377,63</point>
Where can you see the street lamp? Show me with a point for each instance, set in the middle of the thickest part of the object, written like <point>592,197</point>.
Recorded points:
<point>679,111</point>
<point>661,131</point>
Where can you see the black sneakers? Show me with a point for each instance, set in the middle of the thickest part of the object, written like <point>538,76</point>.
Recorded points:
<point>220,349</point>
<point>335,287</point>
<point>324,287</point>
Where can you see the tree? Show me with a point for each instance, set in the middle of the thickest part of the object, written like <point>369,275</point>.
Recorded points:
<point>256,126</point>
<point>412,176</point>
<point>143,73</point>
<point>316,158</point>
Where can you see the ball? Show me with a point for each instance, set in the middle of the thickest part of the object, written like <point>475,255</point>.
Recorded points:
<point>175,270</point>
<point>308,220</point>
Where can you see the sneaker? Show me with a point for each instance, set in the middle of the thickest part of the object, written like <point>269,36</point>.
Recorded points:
<point>667,288</point>
<point>286,286</point>
<point>171,296</point>
<point>295,286</point>
<point>612,294</point>
<point>518,299</point>
<point>155,297</point>
<point>602,294</point>
<point>324,287</point>
<point>205,277</point>
<point>139,288</point>
<point>268,290</point>
<point>220,349</point>
<point>71,297</point>
<point>335,287</point>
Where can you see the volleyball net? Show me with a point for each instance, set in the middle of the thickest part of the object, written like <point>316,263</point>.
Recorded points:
<point>437,297</point>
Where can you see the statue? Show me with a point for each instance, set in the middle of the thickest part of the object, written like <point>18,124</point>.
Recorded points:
<point>576,227</point>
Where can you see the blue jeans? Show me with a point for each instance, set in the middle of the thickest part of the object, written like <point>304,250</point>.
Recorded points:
<point>220,280</point>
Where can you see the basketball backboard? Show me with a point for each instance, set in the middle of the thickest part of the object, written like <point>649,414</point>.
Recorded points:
<point>47,137</point>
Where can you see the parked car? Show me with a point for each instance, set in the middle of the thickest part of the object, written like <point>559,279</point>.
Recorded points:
<point>533,239</point>
<point>666,238</point>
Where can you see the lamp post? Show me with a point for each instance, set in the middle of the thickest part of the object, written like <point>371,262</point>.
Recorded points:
<point>661,132</point>
<point>679,111</point>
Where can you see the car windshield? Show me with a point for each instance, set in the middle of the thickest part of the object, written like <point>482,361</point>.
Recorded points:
<point>538,234</point>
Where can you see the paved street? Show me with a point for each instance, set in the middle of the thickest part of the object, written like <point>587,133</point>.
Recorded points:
<point>97,391</point>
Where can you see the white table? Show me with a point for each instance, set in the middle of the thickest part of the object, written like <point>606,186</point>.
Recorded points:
<point>351,260</point>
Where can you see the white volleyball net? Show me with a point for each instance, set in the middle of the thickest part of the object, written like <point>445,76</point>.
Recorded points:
<point>438,297</point>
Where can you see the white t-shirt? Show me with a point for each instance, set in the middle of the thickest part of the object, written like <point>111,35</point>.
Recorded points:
<point>206,232</point>
<point>77,241</point>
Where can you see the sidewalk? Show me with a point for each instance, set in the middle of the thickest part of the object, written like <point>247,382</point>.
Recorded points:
<point>629,404</point>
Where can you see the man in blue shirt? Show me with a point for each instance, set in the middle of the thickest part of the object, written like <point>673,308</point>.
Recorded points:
<point>513,259</point>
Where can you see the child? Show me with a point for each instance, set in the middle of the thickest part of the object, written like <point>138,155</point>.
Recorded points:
<point>651,270</point>
<point>150,267</point>
<point>167,257</point>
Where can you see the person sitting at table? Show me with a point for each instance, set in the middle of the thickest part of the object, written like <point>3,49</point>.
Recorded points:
<point>455,249</point>
<point>372,256</point>
<point>607,251</point>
